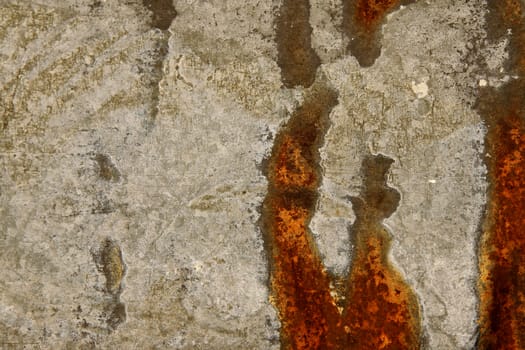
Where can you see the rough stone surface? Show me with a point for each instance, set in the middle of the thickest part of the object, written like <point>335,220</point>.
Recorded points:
<point>112,130</point>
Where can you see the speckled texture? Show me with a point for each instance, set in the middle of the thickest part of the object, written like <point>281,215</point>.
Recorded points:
<point>105,137</point>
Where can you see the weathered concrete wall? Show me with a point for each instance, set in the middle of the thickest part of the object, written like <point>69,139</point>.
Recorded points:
<point>132,154</point>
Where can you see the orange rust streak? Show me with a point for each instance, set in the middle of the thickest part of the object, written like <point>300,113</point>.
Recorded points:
<point>292,168</point>
<point>502,252</point>
<point>381,309</point>
<point>370,13</point>
<point>503,303</point>
<point>362,22</point>
<point>303,294</point>
<point>381,312</point>
<point>300,284</point>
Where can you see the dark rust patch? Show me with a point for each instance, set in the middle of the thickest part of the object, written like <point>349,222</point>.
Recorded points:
<point>373,308</point>
<point>502,249</point>
<point>300,284</point>
<point>112,265</point>
<point>381,311</point>
<point>162,11</point>
<point>362,22</point>
<point>162,15</point>
<point>106,169</point>
<point>116,315</point>
<point>110,262</point>
<point>296,57</point>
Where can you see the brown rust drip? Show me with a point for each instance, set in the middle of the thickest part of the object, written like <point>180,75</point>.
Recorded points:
<point>112,265</point>
<point>300,284</point>
<point>362,22</point>
<point>502,249</point>
<point>381,312</point>
<point>162,15</point>
<point>296,57</point>
<point>106,169</point>
<point>110,262</point>
<point>162,11</point>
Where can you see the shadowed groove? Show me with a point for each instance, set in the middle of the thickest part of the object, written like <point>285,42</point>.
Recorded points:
<point>71,87</point>
<point>59,74</point>
<point>47,47</point>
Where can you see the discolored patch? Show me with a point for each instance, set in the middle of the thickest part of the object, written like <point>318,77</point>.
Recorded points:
<point>117,315</point>
<point>362,23</point>
<point>112,266</point>
<point>381,311</point>
<point>163,13</point>
<point>106,169</point>
<point>296,57</point>
<point>110,262</point>
<point>502,248</point>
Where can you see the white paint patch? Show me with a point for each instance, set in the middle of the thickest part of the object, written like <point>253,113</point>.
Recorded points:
<point>420,89</point>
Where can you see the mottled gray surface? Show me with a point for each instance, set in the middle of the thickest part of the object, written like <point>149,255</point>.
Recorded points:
<point>99,142</point>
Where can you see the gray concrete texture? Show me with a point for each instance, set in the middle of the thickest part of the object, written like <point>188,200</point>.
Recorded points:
<point>131,182</point>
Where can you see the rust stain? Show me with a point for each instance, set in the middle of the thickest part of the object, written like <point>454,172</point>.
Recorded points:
<point>162,15</point>
<point>162,11</point>
<point>300,284</point>
<point>362,22</point>
<point>112,266</point>
<point>380,312</point>
<point>110,262</point>
<point>296,57</point>
<point>502,248</point>
<point>106,169</point>
<point>373,308</point>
